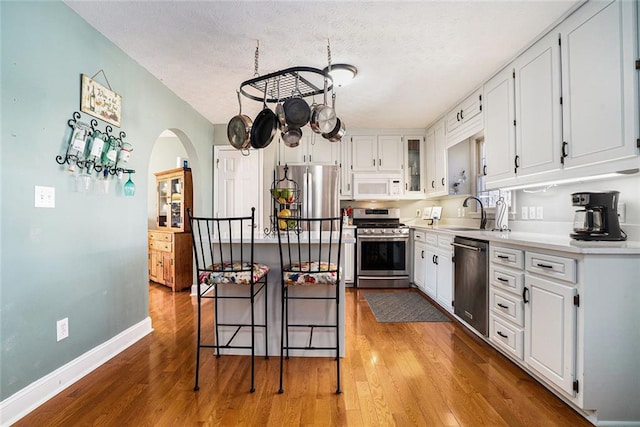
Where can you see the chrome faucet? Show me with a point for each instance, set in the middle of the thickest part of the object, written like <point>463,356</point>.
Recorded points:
<point>483,215</point>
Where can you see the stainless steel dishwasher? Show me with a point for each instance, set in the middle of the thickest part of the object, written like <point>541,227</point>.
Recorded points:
<point>471,279</point>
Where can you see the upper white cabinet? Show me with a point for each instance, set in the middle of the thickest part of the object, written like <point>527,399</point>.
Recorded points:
<point>436,184</point>
<point>414,161</point>
<point>568,101</point>
<point>600,99</point>
<point>313,148</point>
<point>523,129</point>
<point>465,119</point>
<point>370,153</point>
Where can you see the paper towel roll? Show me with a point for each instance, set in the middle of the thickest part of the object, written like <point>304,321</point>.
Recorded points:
<point>502,215</point>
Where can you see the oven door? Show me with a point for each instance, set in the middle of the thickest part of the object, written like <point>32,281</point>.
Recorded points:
<point>383,261</point>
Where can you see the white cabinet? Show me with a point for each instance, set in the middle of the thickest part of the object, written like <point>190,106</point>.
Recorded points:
<point>346,183</point>
<point>370,153</point>
<point>523,129</point>
<point>465,119</point>
<point>313,149</point>
<point>414,161</point>
<point>436,151</point>
<point>600,98</point>
<point>349,259</point>
<point>439,269</point>
<point>419,259</point>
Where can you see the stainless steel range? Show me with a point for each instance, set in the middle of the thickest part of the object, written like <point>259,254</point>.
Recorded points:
<point>382,248</point>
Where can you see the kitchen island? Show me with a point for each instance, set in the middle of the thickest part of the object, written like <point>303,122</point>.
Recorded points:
<point>266,251</point>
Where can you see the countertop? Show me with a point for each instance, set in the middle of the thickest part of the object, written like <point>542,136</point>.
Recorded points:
<point>540,240</point>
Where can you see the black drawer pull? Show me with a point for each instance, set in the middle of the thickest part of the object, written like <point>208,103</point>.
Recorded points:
<point>502,256</point>
<point>502,335</point>
<point>503,306</point>
<point>503,279</point>
<point>544,265</point>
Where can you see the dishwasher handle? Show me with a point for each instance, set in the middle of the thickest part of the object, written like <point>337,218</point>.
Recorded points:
<point>462,245</point>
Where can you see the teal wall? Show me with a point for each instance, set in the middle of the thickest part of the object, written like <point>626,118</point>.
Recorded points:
<point>87,258</point>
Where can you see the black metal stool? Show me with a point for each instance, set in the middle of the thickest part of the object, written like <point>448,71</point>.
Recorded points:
<point>222,260</point>
<point>310,256</point>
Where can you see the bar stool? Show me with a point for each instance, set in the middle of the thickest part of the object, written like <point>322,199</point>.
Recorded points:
<point>310,256</point>
<point>222,260</point>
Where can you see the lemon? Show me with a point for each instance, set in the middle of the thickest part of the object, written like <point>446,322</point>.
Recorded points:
<point>285,213</point>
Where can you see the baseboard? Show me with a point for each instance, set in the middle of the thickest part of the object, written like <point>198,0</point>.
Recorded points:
<point>35,394</point>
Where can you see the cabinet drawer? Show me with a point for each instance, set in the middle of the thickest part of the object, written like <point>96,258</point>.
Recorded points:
<point>418,236</point>
<point>507,256</point>
<point>553,266</point>
<point>160,236</point>
<point>507,279</point>
<point>161,246</point>
<point>431,239</point>
<point>506,305</point>
<point>444,242</point>
<point>506,336</point>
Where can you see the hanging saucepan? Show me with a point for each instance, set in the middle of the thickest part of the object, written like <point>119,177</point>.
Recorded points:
<point>296,109</point>
<point>264,126</point>
<point>291,136</point>
<point>335,134</point>
<point>323,118</point>
<point>239,129</point>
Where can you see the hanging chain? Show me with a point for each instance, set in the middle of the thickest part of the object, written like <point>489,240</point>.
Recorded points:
<point>255,60</point>
<point>329,54</point>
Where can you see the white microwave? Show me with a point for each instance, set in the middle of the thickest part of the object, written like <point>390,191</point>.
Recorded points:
<point>377,186</point>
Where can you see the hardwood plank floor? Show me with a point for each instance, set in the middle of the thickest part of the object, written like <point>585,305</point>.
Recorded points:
<point>402,374</point>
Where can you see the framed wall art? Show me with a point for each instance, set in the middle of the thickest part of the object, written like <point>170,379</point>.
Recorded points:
<point>99,101</point>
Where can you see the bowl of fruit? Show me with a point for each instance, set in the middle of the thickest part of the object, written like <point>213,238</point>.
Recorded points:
<point>283,222</point>
<point>284,196</point>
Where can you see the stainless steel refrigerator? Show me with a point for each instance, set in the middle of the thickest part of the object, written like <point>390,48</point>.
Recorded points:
<point>318,187</point>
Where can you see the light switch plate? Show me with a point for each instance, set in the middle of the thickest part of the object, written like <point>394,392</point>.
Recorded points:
<point>539,213</point>
<point>525,212</point>
<point>532,212</point>
<point>45,197</point>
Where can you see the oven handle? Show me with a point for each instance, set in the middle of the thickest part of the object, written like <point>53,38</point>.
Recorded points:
<point>394,277</point>
<point>473,248</point>
<point>385,239</point>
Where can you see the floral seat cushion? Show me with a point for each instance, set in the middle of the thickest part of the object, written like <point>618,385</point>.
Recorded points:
<point>230,272</point>
<point>310,273</point>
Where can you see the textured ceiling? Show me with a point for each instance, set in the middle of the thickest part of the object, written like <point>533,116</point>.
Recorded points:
<point>414,59</point>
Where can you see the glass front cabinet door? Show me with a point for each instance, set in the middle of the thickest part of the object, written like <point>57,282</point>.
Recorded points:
<point>414,167</point>
<point>175,196</point>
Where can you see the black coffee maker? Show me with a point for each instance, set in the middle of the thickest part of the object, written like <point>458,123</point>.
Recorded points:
<point>598,218</point>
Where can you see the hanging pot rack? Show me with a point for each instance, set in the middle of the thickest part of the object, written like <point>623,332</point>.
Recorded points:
<point>304,77</point>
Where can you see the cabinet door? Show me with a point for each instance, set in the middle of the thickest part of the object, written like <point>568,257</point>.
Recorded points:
<point>440,159</point>
<point>364,153</point>
<point>414,166</point>
<point>550,331</point>
<point>600,101</point>
<point>499,116</point>
<point>390,153</point>
<point>321,150</point>
<point>419,265</point>
<point>293,155</point>
<point>430,151</point>
<point>155,266</point>
<point>431,272</point>
<point>471,107</point>
<point>168,274</point>
<point>345,169</point>
<point>444,290</point>
<point>538,109</point>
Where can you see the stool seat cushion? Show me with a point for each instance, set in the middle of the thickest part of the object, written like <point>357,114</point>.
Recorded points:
<point>233,272</point>
<point>310,273</point>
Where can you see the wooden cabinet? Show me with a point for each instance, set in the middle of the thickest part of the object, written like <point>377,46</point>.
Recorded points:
<point>414,161</point>
<point>372,153</point>
<point>170,259</point>
<point>465,119</point>
<point>174,195</point>
<point>599,87</point>
<point>313,149</point>
<point>436,152</point>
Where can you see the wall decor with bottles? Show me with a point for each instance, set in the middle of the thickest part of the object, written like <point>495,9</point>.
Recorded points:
<point>91,149</point>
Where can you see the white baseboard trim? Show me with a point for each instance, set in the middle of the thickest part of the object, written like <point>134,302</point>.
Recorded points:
<point>35,394</point>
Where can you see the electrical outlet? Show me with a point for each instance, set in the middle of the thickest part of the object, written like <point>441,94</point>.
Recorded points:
<point>622,213</point>
<point>525,212</point>
<point>539,212</point>
<point>62,329</point>
<point>532,212</point>
<point>45,197</point>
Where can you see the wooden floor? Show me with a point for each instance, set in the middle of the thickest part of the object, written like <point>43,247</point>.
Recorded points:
<point>403,374</point>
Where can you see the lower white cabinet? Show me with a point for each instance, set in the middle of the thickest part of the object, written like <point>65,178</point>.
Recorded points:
<point>419,260</point>
<point>438,281</point>
<point>349,258</point>
<point>550,331</point>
